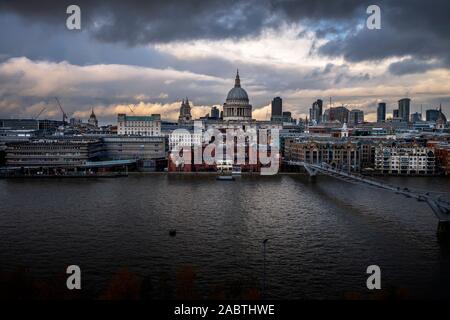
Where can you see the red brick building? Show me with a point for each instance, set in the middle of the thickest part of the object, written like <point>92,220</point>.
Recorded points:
<point>442,154</point>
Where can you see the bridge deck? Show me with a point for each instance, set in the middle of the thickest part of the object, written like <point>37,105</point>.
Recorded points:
<point>440,207</point>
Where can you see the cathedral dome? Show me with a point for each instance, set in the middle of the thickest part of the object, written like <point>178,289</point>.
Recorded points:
<point>237,107</point>
<point>237,94</point>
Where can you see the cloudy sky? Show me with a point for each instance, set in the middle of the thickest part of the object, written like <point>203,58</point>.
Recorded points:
<point>151,54</point>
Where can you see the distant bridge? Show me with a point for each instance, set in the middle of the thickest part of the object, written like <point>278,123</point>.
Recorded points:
<point>440,207</point>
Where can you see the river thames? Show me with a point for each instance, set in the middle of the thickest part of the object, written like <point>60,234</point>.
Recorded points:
<point>321,235</point>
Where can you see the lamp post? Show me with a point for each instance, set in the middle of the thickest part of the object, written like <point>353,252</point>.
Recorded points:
<point>264,267</point>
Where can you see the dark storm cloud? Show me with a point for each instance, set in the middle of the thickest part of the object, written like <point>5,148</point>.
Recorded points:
<point>410,66</point>
<point>141,22</point>
<point>415,28</point>
<point>418,28</point>
<point>318,10</point>
<point>44,42</point>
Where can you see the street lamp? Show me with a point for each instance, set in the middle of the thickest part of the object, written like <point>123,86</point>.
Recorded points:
<point>264,267</point>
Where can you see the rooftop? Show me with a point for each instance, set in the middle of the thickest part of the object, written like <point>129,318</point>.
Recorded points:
<point>140,118</point>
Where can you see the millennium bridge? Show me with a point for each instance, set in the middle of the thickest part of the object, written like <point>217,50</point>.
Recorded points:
<point>439,205</point>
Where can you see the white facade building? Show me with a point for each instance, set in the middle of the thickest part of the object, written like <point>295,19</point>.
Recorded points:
<point>404,160</point>
<point>185,138</point>
<point>146,126</point>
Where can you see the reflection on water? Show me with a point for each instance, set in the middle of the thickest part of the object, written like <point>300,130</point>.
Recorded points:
<point>322,235</point>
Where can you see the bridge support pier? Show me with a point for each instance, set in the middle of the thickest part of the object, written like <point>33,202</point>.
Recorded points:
<point>443,230</point>
<point>311,171</point>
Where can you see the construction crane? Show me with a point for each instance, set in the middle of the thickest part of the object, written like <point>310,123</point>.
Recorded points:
<point>36,118</point>
<point>131,109</point>
<point>40,112</point>
<point>62,110</point>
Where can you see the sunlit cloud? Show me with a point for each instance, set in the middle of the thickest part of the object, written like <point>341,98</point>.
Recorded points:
<point>280,47</point>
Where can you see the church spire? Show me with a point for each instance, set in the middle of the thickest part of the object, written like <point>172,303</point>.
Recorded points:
<point>237,82</point>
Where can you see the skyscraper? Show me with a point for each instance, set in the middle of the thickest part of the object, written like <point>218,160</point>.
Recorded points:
<point>340,114</point>
<point>416,117</point>
<point>403,109</point>
<point>381,112</point>
<point>356,117</point>
<point>287,116</point>
<point>215,113</point>
<point>277,108</point>
<point>315,113</point>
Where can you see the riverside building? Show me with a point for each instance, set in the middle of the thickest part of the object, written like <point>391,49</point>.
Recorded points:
<point>404,159</point>
<point>340,154</point>
<point>53,152</point>
<point>147,126</point>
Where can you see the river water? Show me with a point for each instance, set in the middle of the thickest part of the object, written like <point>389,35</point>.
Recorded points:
<point>321,235</point>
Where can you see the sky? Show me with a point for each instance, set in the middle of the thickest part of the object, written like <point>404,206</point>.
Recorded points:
<point>148,55</point>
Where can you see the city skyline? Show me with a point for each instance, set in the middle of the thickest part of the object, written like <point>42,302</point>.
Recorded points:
<point>301,55</point>
<point>173,114</point>
<point>215,158</point>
